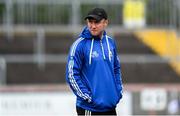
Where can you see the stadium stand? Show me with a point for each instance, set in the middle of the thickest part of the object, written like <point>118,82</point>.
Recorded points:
<point>58,44</point>
<point>166,43</point>
<point>35,37</point>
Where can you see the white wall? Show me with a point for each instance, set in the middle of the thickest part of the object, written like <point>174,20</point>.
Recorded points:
<point>48,104</point>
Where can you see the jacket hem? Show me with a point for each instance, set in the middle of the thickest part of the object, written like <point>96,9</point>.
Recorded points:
<point>93,108</point>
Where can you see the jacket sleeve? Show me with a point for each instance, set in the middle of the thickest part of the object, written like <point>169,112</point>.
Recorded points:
<point>117,71</point>
<point>73,73</point>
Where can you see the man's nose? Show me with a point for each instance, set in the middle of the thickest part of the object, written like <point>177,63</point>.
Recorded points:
<point>93,25</point>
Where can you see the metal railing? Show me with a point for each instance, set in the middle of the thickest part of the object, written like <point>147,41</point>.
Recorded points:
<point>158,13</point>
<point>41,16</point>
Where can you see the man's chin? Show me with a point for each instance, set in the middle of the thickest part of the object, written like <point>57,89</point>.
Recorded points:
<point>94,34</point>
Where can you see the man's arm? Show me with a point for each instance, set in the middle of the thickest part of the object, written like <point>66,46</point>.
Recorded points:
<point>73,73</point>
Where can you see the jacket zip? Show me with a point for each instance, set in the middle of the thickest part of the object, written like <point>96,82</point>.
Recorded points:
<point>102,48</point>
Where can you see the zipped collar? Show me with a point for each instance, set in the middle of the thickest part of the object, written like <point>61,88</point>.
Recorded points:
<point>102,48</point>
<point>87,35</point>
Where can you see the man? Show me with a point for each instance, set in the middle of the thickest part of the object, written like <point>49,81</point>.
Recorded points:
<point>93,69</point>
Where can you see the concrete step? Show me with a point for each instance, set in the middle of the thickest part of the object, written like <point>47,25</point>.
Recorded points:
<point>128,44</point>
<point>60,44</point>
<point>52,73</point>
<point>17,45</point>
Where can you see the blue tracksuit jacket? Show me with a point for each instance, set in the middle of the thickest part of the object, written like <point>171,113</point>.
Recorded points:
<point>93,72</point>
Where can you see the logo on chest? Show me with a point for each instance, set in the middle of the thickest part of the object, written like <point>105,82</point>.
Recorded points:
<point>94,54</point>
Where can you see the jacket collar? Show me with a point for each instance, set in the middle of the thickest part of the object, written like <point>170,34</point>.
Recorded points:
<point>86,34</point>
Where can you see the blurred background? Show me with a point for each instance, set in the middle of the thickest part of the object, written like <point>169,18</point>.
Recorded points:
<point>35,37</point>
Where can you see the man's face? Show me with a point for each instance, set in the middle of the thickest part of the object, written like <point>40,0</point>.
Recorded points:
<point>96,28</point>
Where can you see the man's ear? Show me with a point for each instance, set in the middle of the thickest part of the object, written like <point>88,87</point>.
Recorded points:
<point>106,23</point>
